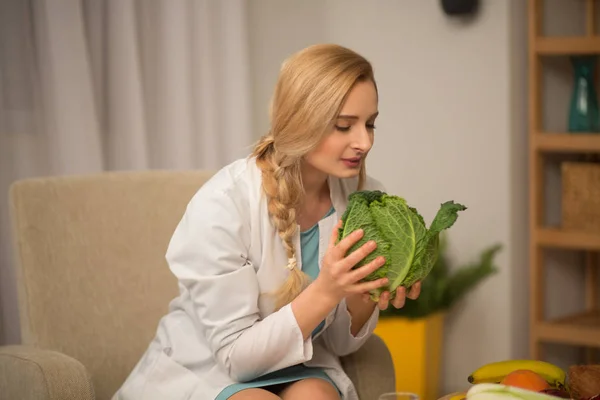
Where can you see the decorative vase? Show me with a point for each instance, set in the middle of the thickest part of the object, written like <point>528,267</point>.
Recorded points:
<point>416,349</point>
<point>583,112</point>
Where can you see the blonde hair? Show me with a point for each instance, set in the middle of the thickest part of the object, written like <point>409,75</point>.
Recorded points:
<point>309,94</point>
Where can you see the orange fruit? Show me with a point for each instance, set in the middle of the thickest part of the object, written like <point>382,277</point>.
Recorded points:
<point>525,379</point>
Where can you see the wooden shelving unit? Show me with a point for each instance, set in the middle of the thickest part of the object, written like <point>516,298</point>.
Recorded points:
<point>566,45</point>
<point>563,239</point>
<point>582,329</point>
<point>566,143</point>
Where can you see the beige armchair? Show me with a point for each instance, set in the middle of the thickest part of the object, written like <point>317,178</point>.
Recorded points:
<point>93,284</point>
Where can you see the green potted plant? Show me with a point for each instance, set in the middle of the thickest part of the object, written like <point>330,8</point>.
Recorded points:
<point>414,333</point>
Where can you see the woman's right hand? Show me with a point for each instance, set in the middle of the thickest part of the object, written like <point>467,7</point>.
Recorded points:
<point>337,278</point>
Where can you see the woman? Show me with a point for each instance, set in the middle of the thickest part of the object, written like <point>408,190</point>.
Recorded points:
<point>268,298</point>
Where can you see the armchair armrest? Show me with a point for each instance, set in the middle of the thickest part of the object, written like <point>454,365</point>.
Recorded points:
<point>28,373</point>
<point>371,369</point>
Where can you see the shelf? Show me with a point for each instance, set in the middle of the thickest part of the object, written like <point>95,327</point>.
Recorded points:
<point>558,45</point>
<point>555,237</point>
<point>567,142</point>
<point>580,330</point>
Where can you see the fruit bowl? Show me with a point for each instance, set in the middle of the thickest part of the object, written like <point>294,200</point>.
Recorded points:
<point>531,380</point>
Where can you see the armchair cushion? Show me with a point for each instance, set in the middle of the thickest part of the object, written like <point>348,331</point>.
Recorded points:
<point>27,373</point>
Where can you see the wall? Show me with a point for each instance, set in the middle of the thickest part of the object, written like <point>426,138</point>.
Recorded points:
<point>452,126</point>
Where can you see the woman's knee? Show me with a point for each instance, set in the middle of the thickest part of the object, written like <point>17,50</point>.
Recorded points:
<point>254,394</point>
<point>312,388</point>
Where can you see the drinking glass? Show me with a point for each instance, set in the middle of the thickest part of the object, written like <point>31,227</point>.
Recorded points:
<point>399,396</point>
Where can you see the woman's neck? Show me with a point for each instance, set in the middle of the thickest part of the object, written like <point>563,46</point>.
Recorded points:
<point>315,204</point>
<point>315,185</point>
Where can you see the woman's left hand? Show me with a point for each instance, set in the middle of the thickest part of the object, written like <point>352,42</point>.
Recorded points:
<point>399,299</point>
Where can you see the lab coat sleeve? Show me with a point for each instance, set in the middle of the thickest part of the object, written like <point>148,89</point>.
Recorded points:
<point>338,336</point>
<point>205,254</point>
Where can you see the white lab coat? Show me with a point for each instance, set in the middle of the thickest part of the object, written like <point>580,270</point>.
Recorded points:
<point>219,330</point>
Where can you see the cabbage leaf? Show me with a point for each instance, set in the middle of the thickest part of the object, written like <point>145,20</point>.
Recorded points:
<point>410,248</point>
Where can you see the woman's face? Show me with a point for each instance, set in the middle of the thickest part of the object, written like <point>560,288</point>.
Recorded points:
<point>342,152</point>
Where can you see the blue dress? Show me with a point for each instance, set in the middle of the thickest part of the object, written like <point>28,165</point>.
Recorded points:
<point>309,242</point>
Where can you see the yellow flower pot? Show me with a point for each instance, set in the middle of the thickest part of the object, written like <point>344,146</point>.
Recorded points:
<point>416,349</point>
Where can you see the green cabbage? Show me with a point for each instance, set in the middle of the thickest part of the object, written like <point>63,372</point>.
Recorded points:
<point>409,248</point>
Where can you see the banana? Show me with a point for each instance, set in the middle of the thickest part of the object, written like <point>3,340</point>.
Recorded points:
<point>494,372</point>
